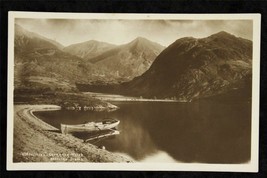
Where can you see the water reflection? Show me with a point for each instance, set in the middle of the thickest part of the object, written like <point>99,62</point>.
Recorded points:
<point>187,132</point>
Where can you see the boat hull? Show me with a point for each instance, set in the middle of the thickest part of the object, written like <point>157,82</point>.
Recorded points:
<point>91,127</point>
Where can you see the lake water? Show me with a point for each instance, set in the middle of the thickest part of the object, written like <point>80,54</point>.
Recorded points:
<point>205,132</point>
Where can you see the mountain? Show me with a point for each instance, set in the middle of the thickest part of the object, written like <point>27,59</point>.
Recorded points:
<point>88,49</point>
<point>129,60</point>
<point>26,40</point>
<point>40,63</point>
<point>192,68</point>
<point>43,63</point>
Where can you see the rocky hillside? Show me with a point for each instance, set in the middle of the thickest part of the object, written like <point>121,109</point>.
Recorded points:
<point>40,63</point>
<point>44,63</point>
<point>88,49</point>
<point>192,68</point>
<point>129,60</point>
<point>26,41</point>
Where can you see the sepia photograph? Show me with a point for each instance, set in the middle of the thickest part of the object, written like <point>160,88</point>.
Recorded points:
<point>96,91</point>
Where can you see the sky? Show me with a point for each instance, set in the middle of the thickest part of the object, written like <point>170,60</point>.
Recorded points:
<point>164,32</point>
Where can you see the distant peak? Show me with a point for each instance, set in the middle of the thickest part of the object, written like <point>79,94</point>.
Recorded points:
<point>140,39</point>
<point>94,41</point>
<point>222,34</point>
<point>18,27</point>
<point>89,42</point>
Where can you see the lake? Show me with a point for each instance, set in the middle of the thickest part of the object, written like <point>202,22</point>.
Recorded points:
<point>203,132</point>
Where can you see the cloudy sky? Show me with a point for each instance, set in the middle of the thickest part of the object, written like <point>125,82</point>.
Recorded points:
<point>164,32</point>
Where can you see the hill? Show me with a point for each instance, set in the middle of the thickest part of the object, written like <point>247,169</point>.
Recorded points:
<point>129,60</point>
<point>192,68</point>
<point>40,63</point>
<point>88,49</point>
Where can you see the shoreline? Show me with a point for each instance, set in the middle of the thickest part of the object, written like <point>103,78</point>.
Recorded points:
<point>37,141</point>
<point>115,97</point>
<point>140,100</point>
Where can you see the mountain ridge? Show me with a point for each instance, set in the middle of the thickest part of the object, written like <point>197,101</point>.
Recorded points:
<point>88,49</point>
<point>40,63</point>
<point>20,32</point>
<point>128,60</point>
<point>192,68</point>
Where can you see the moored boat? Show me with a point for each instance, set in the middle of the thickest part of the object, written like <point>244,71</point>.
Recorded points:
<point>105,124</point>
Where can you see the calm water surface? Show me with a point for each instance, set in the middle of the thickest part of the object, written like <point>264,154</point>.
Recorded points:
<point>205,132</point>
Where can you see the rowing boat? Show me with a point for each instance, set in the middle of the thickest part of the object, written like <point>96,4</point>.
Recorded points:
<point>90,126</point>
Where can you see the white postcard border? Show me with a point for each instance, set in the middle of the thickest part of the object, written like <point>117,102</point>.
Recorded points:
<point>251,166</point>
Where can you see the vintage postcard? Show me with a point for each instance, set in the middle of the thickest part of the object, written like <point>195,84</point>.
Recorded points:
<point>174,92</point>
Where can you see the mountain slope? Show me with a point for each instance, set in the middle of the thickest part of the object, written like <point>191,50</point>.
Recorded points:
<point>88,49</point>
<point>25,40</point>
<point>129,60</point>
<point>193,68</point>
<point>39,63</point>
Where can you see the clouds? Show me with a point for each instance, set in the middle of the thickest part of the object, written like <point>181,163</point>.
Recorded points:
<point>70,31</point>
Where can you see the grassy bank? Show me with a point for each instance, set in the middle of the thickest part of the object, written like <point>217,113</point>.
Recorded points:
<point>37,141</point>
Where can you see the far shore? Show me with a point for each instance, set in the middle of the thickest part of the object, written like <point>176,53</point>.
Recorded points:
<point>37,141</point>
<point>114,97</point>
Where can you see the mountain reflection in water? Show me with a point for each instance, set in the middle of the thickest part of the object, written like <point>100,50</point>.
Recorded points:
<point>205,132</point>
